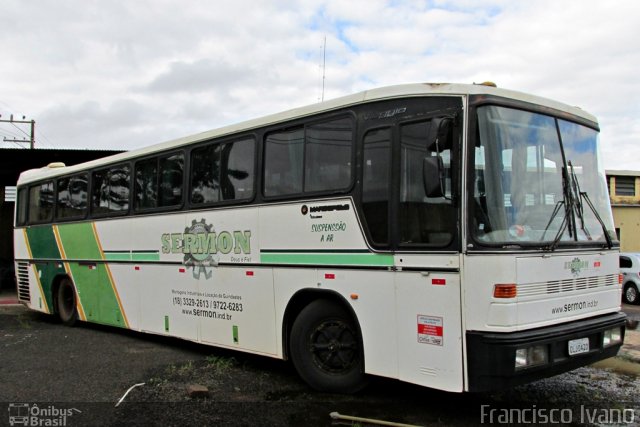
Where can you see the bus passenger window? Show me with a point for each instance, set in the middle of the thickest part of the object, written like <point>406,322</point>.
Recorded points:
<point>119,189</point>
<point>41,202</point>
<point>171,173</point>
<point>223,171</point>
<point>72,197</point>
<point>159,182</point>
<point>205,171</point>
<point>283,164</point>
<point>23,202</point>
<point>146,195</point>
<point>328,155</point>
<point>110,190</point>
<point>236,173</point>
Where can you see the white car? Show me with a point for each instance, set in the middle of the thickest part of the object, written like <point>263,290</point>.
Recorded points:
<point>630,269</point>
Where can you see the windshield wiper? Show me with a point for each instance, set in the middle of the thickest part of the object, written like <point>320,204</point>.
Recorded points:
<point>563,226</point>
<point>568,219</point>
<point>577,200</point>
<point>578,195</point>
<point>573,208</point>
<point>556,209</point>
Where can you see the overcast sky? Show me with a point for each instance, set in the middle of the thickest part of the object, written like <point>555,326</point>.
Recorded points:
<point>125,74</point>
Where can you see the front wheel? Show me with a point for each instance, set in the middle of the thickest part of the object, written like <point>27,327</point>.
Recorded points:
<point>326,348</point>
<point>630,294</point>
<point>66,302</point>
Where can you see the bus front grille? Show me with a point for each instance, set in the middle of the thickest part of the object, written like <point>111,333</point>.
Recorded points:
<point>23,282</point>
<point>567,285</point>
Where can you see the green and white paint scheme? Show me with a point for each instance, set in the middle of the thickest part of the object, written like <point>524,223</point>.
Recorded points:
<point>203,275</point>
<point>226,276</point>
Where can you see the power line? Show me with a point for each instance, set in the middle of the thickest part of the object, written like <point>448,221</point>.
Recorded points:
<point>6,132</point>
<point>20,129</point>
<point>31,136</point>
<point>43,136</point>
<point>38,132</point>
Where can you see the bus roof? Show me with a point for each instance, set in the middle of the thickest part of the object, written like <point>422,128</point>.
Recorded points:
<point>378,94</point>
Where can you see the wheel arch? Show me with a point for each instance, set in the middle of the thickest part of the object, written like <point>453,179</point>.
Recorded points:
<point>55,284</point>
<point>303,298</point>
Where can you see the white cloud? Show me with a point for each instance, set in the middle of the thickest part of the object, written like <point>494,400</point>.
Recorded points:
<point>127,74</point>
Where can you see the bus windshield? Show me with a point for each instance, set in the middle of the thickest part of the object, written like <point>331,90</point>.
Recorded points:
<point>537,180</point>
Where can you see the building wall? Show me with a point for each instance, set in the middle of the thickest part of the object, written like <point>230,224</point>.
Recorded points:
<point>6,231</point>
<point>627,219</point>
<point>626,211</point>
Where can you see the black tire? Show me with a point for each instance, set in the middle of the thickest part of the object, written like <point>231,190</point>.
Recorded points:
<point>630,294</point>
<point>66,302</point>
<point>326,348</point>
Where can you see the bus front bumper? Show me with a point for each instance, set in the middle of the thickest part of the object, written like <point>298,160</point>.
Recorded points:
<point>499,360</point>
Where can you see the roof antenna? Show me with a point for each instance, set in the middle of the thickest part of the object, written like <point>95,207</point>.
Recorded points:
<point>324,62</point>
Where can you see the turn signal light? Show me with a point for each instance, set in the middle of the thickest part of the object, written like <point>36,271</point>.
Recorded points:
<point>505,291</point>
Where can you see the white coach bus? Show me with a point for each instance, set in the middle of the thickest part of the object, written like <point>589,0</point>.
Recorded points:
<point>459,237</point>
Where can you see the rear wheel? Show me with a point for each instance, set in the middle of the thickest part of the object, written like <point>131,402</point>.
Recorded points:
<point>326,348</point>
<point>66,302</point>
<point>630,294</point>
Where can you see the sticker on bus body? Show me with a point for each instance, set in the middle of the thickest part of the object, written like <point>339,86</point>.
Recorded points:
<point>430,329</point>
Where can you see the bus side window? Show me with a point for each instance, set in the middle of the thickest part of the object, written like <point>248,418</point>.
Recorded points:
<point>237,169</point>
<point>23,202</point>
<point>205,171</point>
<point>283,163</point>
<point>159,182</point>
<point>146,188</point>
<point>71,197</point>
<point>110,190</point>
<point>376,165</point>
<point>310,159</point>
<point>423,219</point>
<point>328,149</point>
<point>223,171</point>
<point>119,183</point>
<point>171,174</point>
<point>41,202</point>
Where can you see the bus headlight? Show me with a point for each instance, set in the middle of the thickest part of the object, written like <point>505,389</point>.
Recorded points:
<point>531,356</point>
<point>612,337</point>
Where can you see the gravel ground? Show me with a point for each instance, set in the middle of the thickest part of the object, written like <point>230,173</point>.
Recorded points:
<point>90,367</point>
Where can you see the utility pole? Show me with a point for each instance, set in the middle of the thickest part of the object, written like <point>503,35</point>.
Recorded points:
<point>32,140</point>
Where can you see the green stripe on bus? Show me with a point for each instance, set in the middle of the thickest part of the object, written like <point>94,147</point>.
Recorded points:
<point>117,256</point>
<point>368,259</point>
<point>42,243</point>
<point>92,281</point>
<point>132,256</point>
<point>145,256</point>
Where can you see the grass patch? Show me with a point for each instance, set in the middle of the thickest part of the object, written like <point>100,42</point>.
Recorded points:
<point>220,363</point>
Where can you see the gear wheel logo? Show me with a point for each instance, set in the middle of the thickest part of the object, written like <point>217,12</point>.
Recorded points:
<point>199,262</point>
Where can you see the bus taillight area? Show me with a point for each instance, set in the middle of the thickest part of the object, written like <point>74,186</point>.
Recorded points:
<point>502,360</point>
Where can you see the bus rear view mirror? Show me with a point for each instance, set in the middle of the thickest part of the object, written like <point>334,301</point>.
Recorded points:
<point>433,176</point>
<point>440,136</point>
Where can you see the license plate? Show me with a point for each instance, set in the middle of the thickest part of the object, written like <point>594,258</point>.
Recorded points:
<point>578,346</point>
